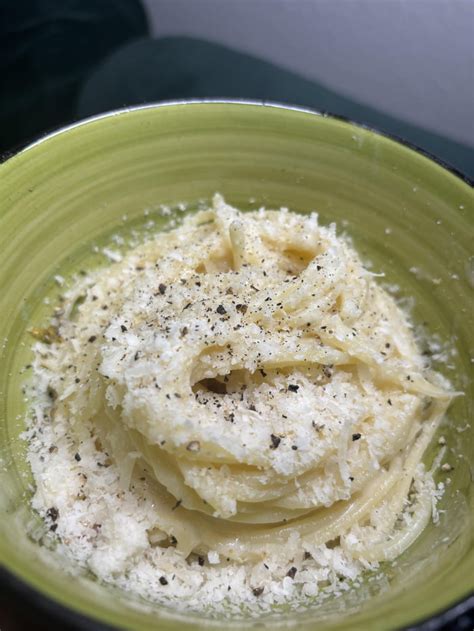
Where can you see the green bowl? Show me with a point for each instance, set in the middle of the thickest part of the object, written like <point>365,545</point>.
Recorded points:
<point>409,216</point>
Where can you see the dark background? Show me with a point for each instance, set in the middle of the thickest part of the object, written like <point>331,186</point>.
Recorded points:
<point>62,60</point>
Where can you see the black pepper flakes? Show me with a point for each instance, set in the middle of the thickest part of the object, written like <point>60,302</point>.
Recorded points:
<point>221,310</point>
<point>163,580</point>
<point>161,288</point>
<point>257,591</point>
<point>193,446</point>
<point>327,372</point>
<point>201,560</point>
<point>77,457</point>
<point>356,436</point>
<point>92,338</point>
<point>123,328</point>
<point>177,505</point>
<point>276,440</point>
<point>241,308</point>
<point>292,387</point>
<point>52,513</point>
<point>292,572</point>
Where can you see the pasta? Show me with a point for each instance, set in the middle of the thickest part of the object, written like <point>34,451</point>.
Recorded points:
<point>251,369</point>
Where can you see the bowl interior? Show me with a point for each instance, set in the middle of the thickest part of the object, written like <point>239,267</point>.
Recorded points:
<point>410,218</point>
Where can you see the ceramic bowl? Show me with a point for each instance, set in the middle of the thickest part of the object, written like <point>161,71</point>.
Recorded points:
<point>410,217</point>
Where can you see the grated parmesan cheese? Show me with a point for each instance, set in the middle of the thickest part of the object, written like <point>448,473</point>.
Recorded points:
<point>224,399</point>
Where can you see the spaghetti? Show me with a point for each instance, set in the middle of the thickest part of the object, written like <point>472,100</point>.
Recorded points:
<point>251,369</point>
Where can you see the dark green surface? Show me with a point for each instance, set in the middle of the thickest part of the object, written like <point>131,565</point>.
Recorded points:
<point>70,191</point>
<point>48,48</point>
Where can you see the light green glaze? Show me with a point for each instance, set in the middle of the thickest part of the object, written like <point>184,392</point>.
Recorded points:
<point>69,191</point>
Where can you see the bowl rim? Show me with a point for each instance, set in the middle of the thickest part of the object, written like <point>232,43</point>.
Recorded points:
<point>435,622</point>
<point>54,131</point>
